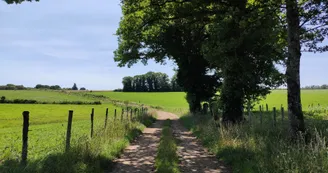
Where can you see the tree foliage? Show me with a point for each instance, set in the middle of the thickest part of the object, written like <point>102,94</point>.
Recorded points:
<point>12,87</point>
<point>148,32</point>
<point>52,87</point>
<point>75,87</point>
<point>150,82</point>
<point>234,43</point>
<point>18,1</point>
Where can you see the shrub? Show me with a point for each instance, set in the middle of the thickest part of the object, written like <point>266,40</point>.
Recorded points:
<point>3,98</point>
<point>83,89</point>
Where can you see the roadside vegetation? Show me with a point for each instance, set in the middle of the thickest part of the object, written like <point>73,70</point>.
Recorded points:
<point>167,160</point>
<point>86,154</point>
<point>260,148</point>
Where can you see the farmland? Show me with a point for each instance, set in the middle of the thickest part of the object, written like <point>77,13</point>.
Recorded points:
<point>42,95</point>
<point>48,122</point>
<point>176,100</point>
<point>48,125</point>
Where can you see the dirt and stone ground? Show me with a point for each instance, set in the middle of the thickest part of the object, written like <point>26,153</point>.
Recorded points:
<point>139,157</point>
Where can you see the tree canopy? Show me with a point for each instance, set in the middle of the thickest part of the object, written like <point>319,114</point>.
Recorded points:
<point>230,46</point>
<point>150,82</point>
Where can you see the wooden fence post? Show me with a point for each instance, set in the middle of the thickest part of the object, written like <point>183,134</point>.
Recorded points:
<point>282,114</point>
<point>267,107</point>
<point>249,112</point>
<point>122,114</point>
<point>106,118</point>
<point>26,117</point>
<point>127,113</point>
<point>115,114</point>
<point>68,133</point>
<point>131,115</point>
<point>92,115</point>
<point>261,115</point>
<point>274,116</point>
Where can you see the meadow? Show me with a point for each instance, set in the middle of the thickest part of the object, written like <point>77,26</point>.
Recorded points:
<point>48,125</point>
<point>47,130</point>
<point>43,95</point>
<point>172,101</point>
<point>169,101</point>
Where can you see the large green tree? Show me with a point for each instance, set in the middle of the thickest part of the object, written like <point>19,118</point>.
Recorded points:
<point>307,23</point>
<point>245,43</point>
<point>148,31</point>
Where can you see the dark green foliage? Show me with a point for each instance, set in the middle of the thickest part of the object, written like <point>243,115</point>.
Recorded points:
<point>324,86</point>
<point>52,87</point>
<point>118,90</point>
<point>83,89</point>
<point>18,1</point>
<point>175,84</point>
<point>245,47</point>
<point>151,34</point>
<point>3,98</point>
<point>12,87</point>
<point>75,87</point>
<point>149,82</point>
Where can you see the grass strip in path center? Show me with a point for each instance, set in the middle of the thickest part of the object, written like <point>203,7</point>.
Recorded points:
<point>167,158</point>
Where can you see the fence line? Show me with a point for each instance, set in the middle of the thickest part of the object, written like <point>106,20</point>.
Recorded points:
<point>25,130</point>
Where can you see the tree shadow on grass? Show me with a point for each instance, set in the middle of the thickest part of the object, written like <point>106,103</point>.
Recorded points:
<point>238,158</point>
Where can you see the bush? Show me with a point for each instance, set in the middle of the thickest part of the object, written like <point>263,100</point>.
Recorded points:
<point>83,89</point>
<point>118,90</point>
<point>3,98</point>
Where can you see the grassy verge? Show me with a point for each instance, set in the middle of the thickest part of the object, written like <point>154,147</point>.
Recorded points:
<point>167,158</point>
<point>87,154</point>
<point>263,148</point>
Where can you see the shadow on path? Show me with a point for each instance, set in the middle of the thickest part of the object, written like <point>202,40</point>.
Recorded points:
<point>140,155</point>
<point>192,155</point>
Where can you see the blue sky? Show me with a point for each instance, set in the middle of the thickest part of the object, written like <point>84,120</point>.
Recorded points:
<point>67,41</point>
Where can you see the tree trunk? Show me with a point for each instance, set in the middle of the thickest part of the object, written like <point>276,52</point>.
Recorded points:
<point>231,96</point>
<point>194,102</point>
<point>295,114</point>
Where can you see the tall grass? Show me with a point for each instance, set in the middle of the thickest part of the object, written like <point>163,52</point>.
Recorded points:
<point>263,148</point>
<point>167,158</point>
<point>87,154</point>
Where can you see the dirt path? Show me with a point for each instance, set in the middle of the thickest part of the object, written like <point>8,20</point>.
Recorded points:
<point>140,155</point>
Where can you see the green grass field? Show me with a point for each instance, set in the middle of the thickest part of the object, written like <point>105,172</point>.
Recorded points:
<point>48,122</point>
<point>42,95</point>
<point>47,126</point>
<point>170,101</point>
<point>176,100</point>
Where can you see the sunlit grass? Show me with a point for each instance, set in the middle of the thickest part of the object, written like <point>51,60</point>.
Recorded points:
<point>263,147</point>
<point>167,158</point>
<point>86,154</point>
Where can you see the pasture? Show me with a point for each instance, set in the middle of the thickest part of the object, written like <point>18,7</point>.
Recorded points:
<point>48,122</point>
<point>47,126</point>
<point>172,101</point>
<point>43,95</point>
